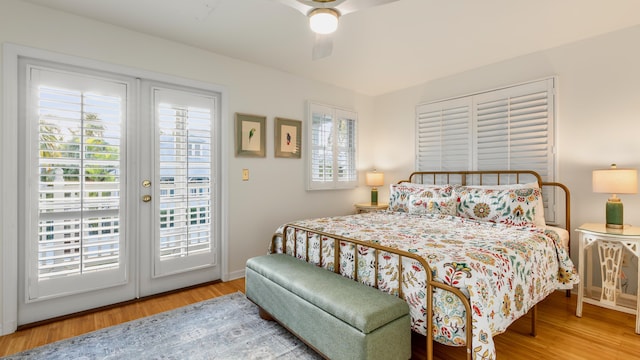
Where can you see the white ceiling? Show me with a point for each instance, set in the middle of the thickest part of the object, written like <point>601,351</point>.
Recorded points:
<point>376,50</point>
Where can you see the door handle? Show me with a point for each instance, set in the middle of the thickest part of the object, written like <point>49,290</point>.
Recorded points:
<point>146,198</point>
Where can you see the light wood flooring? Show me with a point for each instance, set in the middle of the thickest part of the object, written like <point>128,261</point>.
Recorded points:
<point>599,334</point>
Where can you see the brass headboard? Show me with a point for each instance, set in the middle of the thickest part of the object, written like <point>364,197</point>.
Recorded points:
<point>489,177</point>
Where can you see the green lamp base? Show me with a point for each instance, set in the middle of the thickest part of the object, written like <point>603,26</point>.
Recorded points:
<point>614,214</point>
<point>374,196</point>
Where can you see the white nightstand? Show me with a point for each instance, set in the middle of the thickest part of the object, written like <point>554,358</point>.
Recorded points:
<point>368,207</point>
<point>611,245</point>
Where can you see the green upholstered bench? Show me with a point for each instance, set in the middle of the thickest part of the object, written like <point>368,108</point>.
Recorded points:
<point>338,317</point>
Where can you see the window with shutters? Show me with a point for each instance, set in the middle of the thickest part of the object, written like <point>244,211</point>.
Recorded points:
<point>504,129</point>
<point>332,153</point>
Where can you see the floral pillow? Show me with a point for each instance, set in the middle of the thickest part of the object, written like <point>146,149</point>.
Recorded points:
<point>510,206</point>
<point>399,194</point>
<point>430,205</point>
<point>539,219</point>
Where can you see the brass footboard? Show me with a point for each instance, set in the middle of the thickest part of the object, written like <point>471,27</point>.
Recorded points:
<point>430,283</point>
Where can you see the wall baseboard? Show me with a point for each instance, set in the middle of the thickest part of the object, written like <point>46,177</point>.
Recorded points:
<point>235,275</point>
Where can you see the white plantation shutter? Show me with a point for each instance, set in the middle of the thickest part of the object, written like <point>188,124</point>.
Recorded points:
<point>443,133</point>
<point>346,146</point>
<point>321,154</point>
<point>513,129</point>
<point>505,129</point>
<point>76,207</point>
<point>185,231</point>
<point>332,139</point>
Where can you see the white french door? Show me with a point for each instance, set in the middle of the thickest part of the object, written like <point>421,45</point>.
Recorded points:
<point>119,189</point>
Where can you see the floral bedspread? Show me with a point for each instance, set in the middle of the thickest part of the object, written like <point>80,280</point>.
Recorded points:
<point>504,270</point>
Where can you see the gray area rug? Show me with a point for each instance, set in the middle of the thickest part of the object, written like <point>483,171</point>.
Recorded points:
<point>226,327</point>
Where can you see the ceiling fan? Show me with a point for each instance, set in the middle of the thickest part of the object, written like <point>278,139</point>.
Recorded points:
<point>323,18</point>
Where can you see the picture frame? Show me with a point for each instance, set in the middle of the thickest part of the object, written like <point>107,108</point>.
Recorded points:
<point>251,135</point>
<point>288,138</point>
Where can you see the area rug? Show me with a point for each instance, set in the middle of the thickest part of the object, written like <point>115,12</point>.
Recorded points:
<point>226,327</point>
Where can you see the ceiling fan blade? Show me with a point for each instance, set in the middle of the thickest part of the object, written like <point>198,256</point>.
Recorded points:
<point>300,6</point>
<point>322,47</point>
<point>305,6</point>
<point>317,4</point>
<point>350,6</point>
<point>343,6</point>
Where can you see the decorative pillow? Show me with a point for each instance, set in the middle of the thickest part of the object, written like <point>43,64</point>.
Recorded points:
<point>539,217</point>
<point>399,194</point>
<point>429,205</point>
<point>516,206</point>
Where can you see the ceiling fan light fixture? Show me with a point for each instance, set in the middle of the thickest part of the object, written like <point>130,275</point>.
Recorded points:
<point>323,20</point>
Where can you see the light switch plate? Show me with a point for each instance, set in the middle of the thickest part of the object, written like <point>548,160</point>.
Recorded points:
<point>245,174</point>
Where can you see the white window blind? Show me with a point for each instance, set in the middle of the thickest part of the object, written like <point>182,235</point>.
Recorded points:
<point>185,211</point>
<point>77,147</point>
<point>504,129</point>
<point>332,157</point>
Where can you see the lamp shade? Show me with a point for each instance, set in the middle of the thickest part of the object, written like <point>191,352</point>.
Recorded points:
<point>323,20</point>
<point>374,179</point>
<point>615,181</point>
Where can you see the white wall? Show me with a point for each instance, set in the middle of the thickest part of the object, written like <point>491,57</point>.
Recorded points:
<point>276,191</point>
<point>598,118</point>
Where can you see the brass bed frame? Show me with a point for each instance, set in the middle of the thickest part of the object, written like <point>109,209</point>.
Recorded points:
<point>432,177</point>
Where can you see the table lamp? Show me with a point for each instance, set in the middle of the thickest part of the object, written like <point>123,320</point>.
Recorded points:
<point>615,181</point>
<point>374,179</point>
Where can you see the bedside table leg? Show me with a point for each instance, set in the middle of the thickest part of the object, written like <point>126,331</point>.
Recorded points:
<point>581,260</point>
<point>638,319</point>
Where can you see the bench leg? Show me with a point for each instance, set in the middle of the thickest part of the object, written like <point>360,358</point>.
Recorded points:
<point>264,315</point>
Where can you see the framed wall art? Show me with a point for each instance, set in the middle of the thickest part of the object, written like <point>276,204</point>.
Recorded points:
<point>288,142</point>
<point>251,137</point>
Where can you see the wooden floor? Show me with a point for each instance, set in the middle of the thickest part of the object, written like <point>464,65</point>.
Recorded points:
<point>599,334</point>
